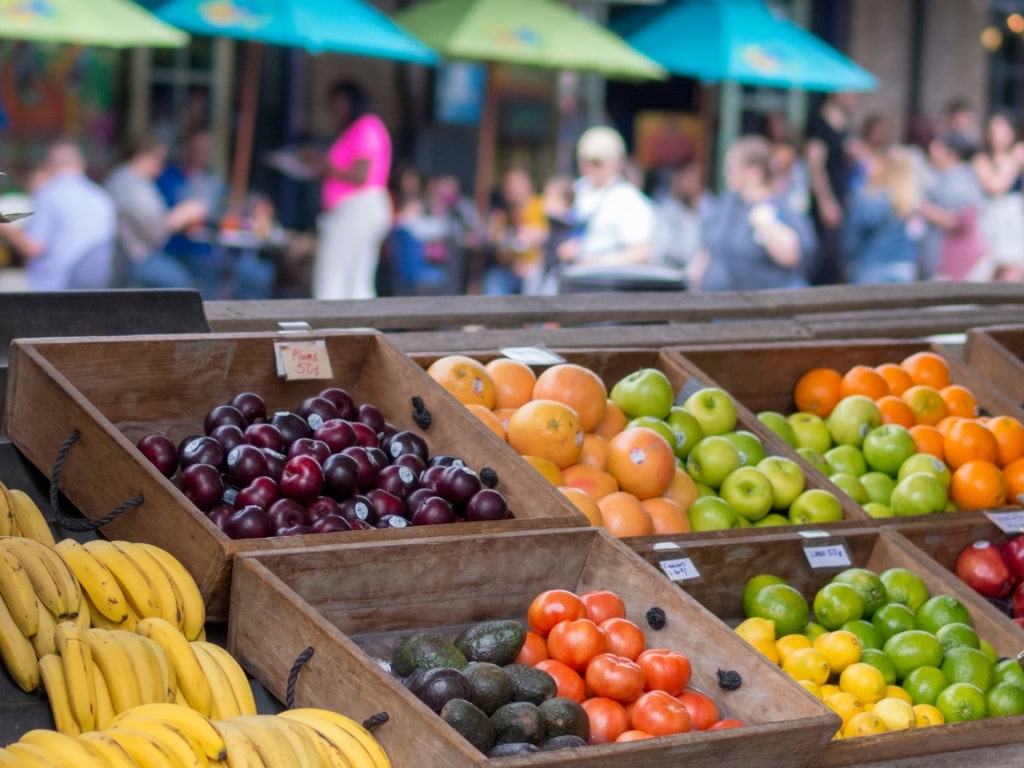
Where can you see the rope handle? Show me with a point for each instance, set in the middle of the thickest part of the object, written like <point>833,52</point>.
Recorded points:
<point>293,676</point>
<point>420,414</point>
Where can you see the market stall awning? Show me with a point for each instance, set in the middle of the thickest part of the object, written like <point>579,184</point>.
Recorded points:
<point>103,23</point>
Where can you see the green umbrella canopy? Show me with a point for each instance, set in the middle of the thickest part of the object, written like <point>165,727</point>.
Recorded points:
<point>103,23</point>
<point>538,33</point>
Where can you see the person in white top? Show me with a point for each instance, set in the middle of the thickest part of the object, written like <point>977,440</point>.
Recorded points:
<point>614,220</point>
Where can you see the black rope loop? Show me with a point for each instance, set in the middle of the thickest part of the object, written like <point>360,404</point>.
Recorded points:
<point>420,414</point>
<point>656,618</point>
<point>488,477</point>
<point>375,720</point>
<point>293,676</point>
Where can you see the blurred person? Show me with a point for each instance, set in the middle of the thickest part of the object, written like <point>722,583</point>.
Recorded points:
<point>869,145</point>
<point>959,117</point>
<point>882,231</point>
<point>999,169</point>
<point>920,133</point>
<point>677,218</point>
<point>788,167</point>
<point>517,230</point>
<point>614,220</point>
<point>68,241</point>
<point>828,166</point>
<point>144,220</point>
<point>558,199</point>
<point>752,239</point>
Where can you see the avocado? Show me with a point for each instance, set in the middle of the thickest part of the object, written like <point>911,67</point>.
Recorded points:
<point>562,742</point>
<point>518,721</point>
<point>474,726</point>
<point>436,687</point>
<point>490,684</point>
<point>515,748</point>
<point>424,650</point>
<point>530,684</point>
<point>565,717</point>
<point>497,642</point>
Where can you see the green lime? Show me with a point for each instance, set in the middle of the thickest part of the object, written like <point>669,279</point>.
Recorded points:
<point>893,618</point>
<point>968,665</point>
<point>988,650</point>
<point>866,632</point>
<point>782,604</point>
<point>1008,671</point>
<point>754,585</point>
<point>912,649</point>
<point>939,611</point>
<point>924,684</point>
<point>962,701</point>
<point>835,604</point>
<point>813,630</point>
<point>957,634</point>
<point>881,662</point>
<point>868,586</point>
<point>1005,699</point>
<point>902,586</point>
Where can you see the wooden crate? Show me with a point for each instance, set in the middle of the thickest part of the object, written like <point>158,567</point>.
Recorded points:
<point>725,567</point>
<point>996,353</point>
<point>107,387</point>
<point>338,599</point>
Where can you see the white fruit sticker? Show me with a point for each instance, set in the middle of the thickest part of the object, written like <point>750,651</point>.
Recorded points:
<point>827,556</point>
<point>1008,522</point>
<point>637,455</point>
<point>681,569</point>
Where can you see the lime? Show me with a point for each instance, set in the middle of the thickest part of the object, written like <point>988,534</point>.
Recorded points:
<point>1005,699</point>
<point>902,586</point>
<point>868,585</point>
<point>957,634</point>
<point>835,604</point>
<point>840,647</point>
<point>807,664</point>
<point>864,681</point>
<point>893,618</point>
<point>1008,671</point>
<point>912,649</point>
<point>897,714</point>
<point>968,665</point>
<point>988,650</point>
<point>754,585</point>
<point>865,631</point>
<point>939,611</point>
<point>812,630</point>
<point>881,662</point>
<point>924,684</point>
<point>784,605</point>
<point>962,701</point>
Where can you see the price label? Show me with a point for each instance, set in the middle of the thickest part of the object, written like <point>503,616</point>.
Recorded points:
<point>681,569</point>
<point>690,387</point>
<point>827,556</point>
<point>297,360</point>
<point>532,355</point>
<point>1008,522</point>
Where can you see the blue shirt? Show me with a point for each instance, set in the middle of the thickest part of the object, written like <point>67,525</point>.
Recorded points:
<point>874,238</point>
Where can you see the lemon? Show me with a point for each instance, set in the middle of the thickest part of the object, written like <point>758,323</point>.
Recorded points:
<point>864,681</point>
<point>767,648</point>
<point>864,724</point>
<point>807,664</point>
<point>895,692</point>
<point>840,647</point>
<point>844,704</point>
<point>956,634</point>
<point>912,649</point>
<point>814,689</point>
<point>754,585</point>
<point>902,586</point>
<point>893,618</point>
<point>867,632</point>
<point>756,629</point>
<point>881,662</point>
<point>868,585</point>
<point>962,701</point>
<point>828,690</point>
<point>927,714</point>
<point>1004,699</point>
<point>941,610</point>
<point>897,714</point>
<point>784,605</point>
<point>786,645</point>
<point>835,604</point>
<point>924,684</point>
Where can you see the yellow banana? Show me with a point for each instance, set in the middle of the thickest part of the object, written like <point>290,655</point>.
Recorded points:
<point>115,665</point>
<point>59,569</point>
<point>7,760</point>
<point>273,746</point>
<point>99,586</point>
<point>104,704</point>
<point>168,677</point>
<point>65,749</point>
<point>48,586</point>
<point>78,672</point>
<point>16,590</point>
<point>173,741</point>
<point>302,742</point>
<point>42,641</point>
<point>191,680</point>
<point>198,727</point>
<point>241,752</point>
<point>83,619</point>
<point>331,755</point>
<point>224,705</point>
<point>194,609</point>
<point>142,748</point>
<point>8,521</point>
<point>31,522</point>
<point>17,653</point>
<point>145,664</point>
<point>32,756</point>
<point>133,581</point>
<point>236,677</point>
<point>169,599</point>
<point>112,752</point>
<point>367,739</point>
<point>349,746</point>
<point>51,669</point>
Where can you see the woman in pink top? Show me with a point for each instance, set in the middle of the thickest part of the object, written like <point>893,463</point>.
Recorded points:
<point>356,208</point>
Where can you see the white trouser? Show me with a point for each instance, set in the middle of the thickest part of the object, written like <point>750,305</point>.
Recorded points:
<point>351,235</point>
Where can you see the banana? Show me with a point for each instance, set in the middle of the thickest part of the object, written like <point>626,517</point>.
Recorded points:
<point>112,752</point>
<point>31,522</point>
<point>194,613</point>
<point>274,747</point>
<point>347,744</point>
<point>168,677</point>
<point>133,581</point>
<point>48,586</point>
<point>236,677</point>
<point>145,664</point>
<point>241,752</point>
<point>367,739</point>
<point>61,572</point>
<point>99,586</point>
<point>197,727</point>
<point>301,741</point>
<point>16,590</point>
<point>224,705</point>
<point>84,617</point>
<point>191,680</point>
<point>7,760</point>
<point>64,749</point>
<point>8,520</point>
<point>169,599</point>
<point>32,756</point>
<point>42,641</point>
<point>17,653</point>
<point>115,665</point>
<point>51,668</point>
<point>78,672</point>
<point>104,704</point>
<point>330,755</point>
<point>173,741</point>
<point>142,748</point>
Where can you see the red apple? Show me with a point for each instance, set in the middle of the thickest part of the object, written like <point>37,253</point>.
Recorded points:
<point>981,566</point>
<point>1013,554</point>
<point>1018,601</point>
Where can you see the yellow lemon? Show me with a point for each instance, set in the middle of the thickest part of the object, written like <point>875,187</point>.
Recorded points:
<point>895,692</point>
<point>767,647</point>
<point>756,629</point>
<point>864,724</point>
<point>807,664</point>
<point>897,714</point>
<point>786,645</point>
<point>926,714</point>
<point>828,690</point>
<point>841,647</point>
<point>846,705</point>
<point>864,681</point>
<point>812,687</point>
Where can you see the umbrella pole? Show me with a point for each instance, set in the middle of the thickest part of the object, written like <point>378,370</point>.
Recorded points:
<point>486,143</point>
<point>246,131</point>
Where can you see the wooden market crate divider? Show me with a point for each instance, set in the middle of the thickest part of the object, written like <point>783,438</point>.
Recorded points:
<point>113,390</point>
<point>336,599</point>
<point>997,353</point>
<point>725,566</point>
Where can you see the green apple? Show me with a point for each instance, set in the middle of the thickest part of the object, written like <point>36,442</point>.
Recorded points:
<point>811,431</point>
<point>749,446</point>
<point>704,490</point>
<point>711,513</point>
<point>950,506</point>
<point>748,492</point>
<point>656,425</point>
<point>687,429</point>
<point>878,485</point>
<point>815,459</point>
<point>851,485</point>
<point>917,494</point>
<point>771,519</point>
<point>887,447</point>
<point>930,465</point>
<point>777,423</point>
<point>712,460</point>
<point>815,505</point>
<point>786,477</point>
<point>846,458</point>
<point>875,509</point>
<point>852,419</point>
<point>742,522</point>
<point>714,409</point>
<point>646,392</point>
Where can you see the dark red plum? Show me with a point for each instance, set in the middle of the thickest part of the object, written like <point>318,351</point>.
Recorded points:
<point>244,464</point>
<point>261,492</point>
<point>365,436</point>
<point>229,436</point>
<point>201,450</point>
<point>371,416</point>
<point>317,410</point>
<point>264,436</point>
<point>251,406</point>
<point>431,476</point>
<point>275,464</point>
<point>341,475</point>
<point>412,461</point>
<point>302,478</point>
<point>307,446</point>
<point>160,452</point>
<point>458,484</point>
<point>486,504</point>
<point>330,524</point>
<point>360,525</point>
<point>434,511</point>
<point>445,460</point>
<point>417,497</point>
<point>291,425</point>
<point>398,480</point>
<point>202,485</point>
<point>358,508</point>
<point>368,471</point>
<point>294,530</point>
<point>406,442</point>
<point>224,415</point>
<point>378,457</point>
<point>385,503</point>
<point>393,521</point>
<point>322,506</point>
<point>337,433</point>
<point>248,523</point>
<point>285,513</point>
<point>341,400</point>
<point>219,514</point>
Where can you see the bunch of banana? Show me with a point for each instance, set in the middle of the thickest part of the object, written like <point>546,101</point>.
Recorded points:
<point>335,733</point>
<point>19,516</point>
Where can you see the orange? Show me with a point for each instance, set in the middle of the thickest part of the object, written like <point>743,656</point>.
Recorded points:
<point>896,378</point>
<point>947,424</point>
<point>624,516</point>
<point>927,368</point>
<point>548,470</point>
<point>594,482</point>
<point>682,489</point>
<point>595,451</point>
<point>978,485</point>
<point>504,414</point>
<point>486,415</point>
<point>926,403</point>
<point>666,515</point>
<point>863,380</point>
<point>641,461</point>
<point>968,440</point>
<point>895,411</point>
<point>547,429</point>
<point>465,378</point>
<point>614,421</point>
<point>817,391</point>
<point>585,503</point>
<point>513,382</point>
<point>1009,434</point>
<point>928,440</point>
<point>578,387</point>
<point>959,401</point>
<point>1013,473</point>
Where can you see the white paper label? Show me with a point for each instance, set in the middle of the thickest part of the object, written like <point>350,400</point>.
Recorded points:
<point>1008,522</point>
<point>827,556</point>
<point>682,569</point>
<point>532,355</point>
<point>303,360</point>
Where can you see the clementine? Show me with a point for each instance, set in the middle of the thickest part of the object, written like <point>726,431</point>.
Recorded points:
<point>547,429</point>
<point>926,403</point>
<point>1009,434</point>
<point>594,482</point>
<point>928,440</point>
<point>863,380</point>
<point>578,387</point>
<point>968,440</point>
<point>1013,473</point>
<point>465,378</point>
<point>959,401</point>
<point>895,411</point>
<point>896,378</point>
<point>978,484</point>
<point>585,503</point>
<point>486,415</point>
<point>817,391</point>
<point>667,516</point>
<point>927,368</point>
<point>641,461</point>
<point>513,382</point>
<point>624,516</point>
<point>614,421</point>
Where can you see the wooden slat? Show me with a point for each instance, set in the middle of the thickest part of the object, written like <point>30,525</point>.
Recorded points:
<point>997,354</point>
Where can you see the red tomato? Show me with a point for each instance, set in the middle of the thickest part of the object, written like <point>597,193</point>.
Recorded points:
<point>624,637</point>
<point>727,723</point>
<point>568,680</point>
<point>535,649</point>
<point>576,642</point>
<point>660,714</point>
<point>549,608</point>
<point>633,735</point>
<point>665,670</point>
<point>608,720</point>
<point>602,605</point>
<point>615,677</point>
<point>703,710</point>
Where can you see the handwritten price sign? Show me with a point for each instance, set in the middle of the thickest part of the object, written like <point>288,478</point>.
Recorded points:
<point>299,360</point>
<point>827,556</point>
<point>681,569</point>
